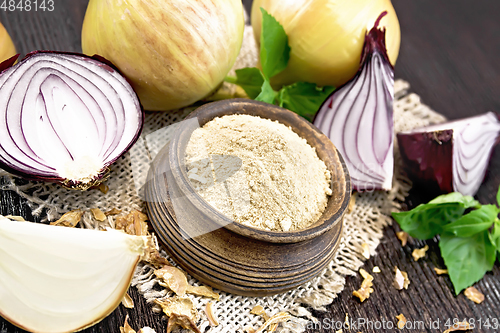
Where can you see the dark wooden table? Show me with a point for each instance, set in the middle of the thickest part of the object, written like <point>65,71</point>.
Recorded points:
<point>450,53</point>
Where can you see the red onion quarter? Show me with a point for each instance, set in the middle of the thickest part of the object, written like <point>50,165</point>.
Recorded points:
<point>358,117</point>
<point>65,118</point>
<point>453,155</point>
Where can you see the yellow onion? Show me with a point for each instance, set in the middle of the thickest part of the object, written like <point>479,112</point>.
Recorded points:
<point>7,48</point>
<point>173,52</point>
<point>326,36</point>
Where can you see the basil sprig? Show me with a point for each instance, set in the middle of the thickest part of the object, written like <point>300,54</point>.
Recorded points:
<point>469,242</point>
<point>303,98</point>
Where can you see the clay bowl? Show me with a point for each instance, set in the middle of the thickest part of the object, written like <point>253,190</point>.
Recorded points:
<point>227,255</point>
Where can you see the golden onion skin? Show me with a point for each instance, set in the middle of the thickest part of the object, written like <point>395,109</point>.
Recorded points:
<point>174,52</point>
<point>326,36</point>
<point>7,48</point>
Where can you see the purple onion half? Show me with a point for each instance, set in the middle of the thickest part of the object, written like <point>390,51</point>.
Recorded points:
<point>358,117</point>
<point>452,156</point>
<point>65,118</point>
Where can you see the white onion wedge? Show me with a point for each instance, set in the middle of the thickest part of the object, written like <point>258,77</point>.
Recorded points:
<point>57,279</point>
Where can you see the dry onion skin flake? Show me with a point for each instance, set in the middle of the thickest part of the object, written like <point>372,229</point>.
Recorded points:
<point>66,118</point>
<point>401,321</point>
<point>420,253</point>
<point>474,295</point>
<point>209,311</point>
<point>403,237</point>
<point>56,279</point>
<point>366,286</point>
<point>440,271</point>
<point>400,279</point>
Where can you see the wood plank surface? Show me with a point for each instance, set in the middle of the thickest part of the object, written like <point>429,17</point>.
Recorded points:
<point>449,54</point>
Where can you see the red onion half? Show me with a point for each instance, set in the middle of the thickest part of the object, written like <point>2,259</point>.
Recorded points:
<point>358,117</point>
<point>452,155</point>
<point>65,118</point>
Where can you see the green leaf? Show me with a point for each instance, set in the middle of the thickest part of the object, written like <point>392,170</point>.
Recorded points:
<point>498,196</point>
<point>274,49</point>
<point>467,201</point>
<point>467,259</point>
<point>303,98</point>
<point>267,94</point>
<point>474,222</point>
<point>251,80</point>
<point>495,235</point>
<point>427,220</point>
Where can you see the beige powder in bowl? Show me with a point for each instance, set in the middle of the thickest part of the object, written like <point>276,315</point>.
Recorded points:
<point>258,172</point>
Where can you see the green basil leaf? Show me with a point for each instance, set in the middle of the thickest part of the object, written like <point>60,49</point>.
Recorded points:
<point>498,196</point>
<point>267,93</point>
<point>303,98</point>
<point>466,201</point>
<point>467,259</point>
<point>495,235</point>
<point>474,222</point>
<point>251,80</point>
<point>274,49</point>
<point>427,220</point>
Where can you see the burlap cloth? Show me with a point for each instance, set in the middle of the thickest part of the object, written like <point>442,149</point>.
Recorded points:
<point>364,224</point>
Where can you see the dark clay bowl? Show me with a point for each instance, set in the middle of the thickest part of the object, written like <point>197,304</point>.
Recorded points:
<point>228,255</point>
